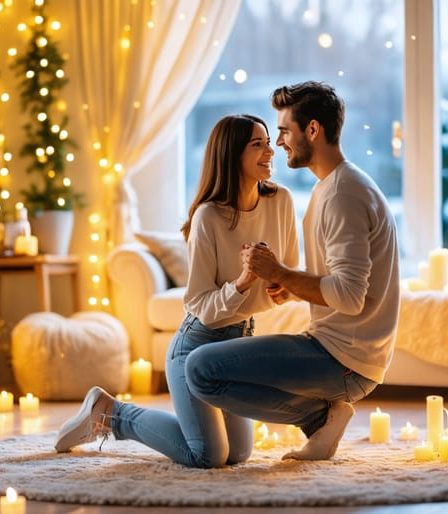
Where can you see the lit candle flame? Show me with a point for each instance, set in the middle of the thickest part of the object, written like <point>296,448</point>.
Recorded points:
<point>11,495</point>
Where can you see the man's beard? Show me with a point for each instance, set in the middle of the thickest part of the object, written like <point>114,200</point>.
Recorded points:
<point>303,154</point>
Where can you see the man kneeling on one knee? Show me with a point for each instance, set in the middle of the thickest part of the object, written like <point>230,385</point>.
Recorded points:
<point>351,282</point>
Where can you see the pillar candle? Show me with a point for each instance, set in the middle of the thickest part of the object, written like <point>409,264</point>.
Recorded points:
<point>443,448</point>
<point>379,427</point>
<point>434,419</point>
<point>424,452</point>
<point>26,245</point>
<point>423,271</point>
<point>29,403</point>
<point>6,401</point>
<point>12,503</point>
<point>141,372</point>
<point>438,268</point>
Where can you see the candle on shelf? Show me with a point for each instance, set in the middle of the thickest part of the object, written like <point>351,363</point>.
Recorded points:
<point>6,401</point>
<point>26,245</point>
<point>29,404</point>
<point>424,452</point>
<point>434,419</point>
<point>379,427</point>
<point>443,448</point>
<point>141,372</point>
<point>409,432</point>
<point>438,268</point>
<point>12,503</point>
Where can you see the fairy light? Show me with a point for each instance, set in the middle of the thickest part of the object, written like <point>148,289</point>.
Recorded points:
<point>61,105</point>
<point>21,27</point>
<point>94,236</point>
<point>105,302</point>
<point>4,97</point>
<point>43,91</point>
<point>40,152</point>
<point>55,128</point>
<point>7,156</point>
<point>92,300</point>
<point>42,116</point>
<point>96,279</point>
<point>43,63</point>
<point>325,40</point>
<point>38,3</point>
<point>150,24</point>
<point>49,150</point>
<point>38,20</point>
<point>19,205</point>
<point>5,194</point>
<point>118,167</point>
<point>103,162</point>
<point>55,25</point>
<point>59,74</point>
<point>29,74</point>
<point>125,43</point>
<point>4,172</point>
<point>12,52</point>
<point>63,134</point>
<point>93,258</point>
<point>96,145</point>
<point>61,201</point>
<point>94,218</point>
<point>70,157</point>
<point>41,41</point>
<point>67,182</point>
<point>51,173</point>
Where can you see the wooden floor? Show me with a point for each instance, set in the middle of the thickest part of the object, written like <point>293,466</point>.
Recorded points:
<point>403,404</point>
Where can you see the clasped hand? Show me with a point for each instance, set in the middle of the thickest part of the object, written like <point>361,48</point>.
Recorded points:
<point>260,262</point>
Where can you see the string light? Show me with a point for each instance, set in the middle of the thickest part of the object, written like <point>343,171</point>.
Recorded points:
<point>4,97</point>
<point>67,182</point>
<point>70,157</point>
<point>12,52</point>
<point>55,25</point>
<point>21,27</point>
<point>325,40</point>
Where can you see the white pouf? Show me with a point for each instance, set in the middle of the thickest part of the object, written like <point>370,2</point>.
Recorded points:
<point>61,358</point>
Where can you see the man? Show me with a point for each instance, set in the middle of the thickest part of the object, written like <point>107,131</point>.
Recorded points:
<point>351,282</point>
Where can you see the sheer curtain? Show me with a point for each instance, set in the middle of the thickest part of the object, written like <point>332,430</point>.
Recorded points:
<point>142,65</point>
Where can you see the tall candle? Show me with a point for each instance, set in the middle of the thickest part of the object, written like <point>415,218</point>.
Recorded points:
<point>29,403</point>
<point>12,503</point>
<point>141,372</point>
<point>6,401</point>
<point>424,452</point>
<point>379,427</point>
<point>434,419</point>
<point>438,268</point>
<point>443,448</point>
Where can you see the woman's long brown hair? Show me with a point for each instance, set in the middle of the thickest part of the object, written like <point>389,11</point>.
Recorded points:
<point>221,169</point>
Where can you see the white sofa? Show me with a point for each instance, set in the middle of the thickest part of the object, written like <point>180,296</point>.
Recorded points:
<point>151,310</point>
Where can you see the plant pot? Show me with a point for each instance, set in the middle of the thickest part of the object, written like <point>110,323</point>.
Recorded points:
<point>53,230</point>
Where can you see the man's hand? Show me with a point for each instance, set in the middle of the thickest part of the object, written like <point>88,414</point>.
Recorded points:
<point>246,278</point>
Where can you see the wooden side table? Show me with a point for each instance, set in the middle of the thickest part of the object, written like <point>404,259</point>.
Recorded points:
<point>44,266</point>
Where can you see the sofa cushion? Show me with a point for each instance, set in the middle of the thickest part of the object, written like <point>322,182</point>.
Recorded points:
<point>171,251</point>
<point>166,309</point>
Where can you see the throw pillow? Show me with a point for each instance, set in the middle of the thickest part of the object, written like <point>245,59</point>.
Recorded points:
<point>170,250</point>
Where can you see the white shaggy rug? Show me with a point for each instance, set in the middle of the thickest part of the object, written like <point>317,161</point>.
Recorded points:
<point>127,473</point>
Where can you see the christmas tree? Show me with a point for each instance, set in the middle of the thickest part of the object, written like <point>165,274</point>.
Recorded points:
<point>48,145</point>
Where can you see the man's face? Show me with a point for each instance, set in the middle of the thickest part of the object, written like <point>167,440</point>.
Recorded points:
<point>295,143</point>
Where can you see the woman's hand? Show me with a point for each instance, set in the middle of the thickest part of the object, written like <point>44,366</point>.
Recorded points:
<point>278,294</point>
<point>246,278</point>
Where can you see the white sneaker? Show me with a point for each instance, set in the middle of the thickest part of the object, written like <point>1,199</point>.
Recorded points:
<point>86,425</point>
<point>322,445</point>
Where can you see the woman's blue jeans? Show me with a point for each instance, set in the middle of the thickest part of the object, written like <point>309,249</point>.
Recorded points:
<point>198,435</point>
<point>288,379</point>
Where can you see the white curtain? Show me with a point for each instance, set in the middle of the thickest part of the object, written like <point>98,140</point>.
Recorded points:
<point>142,66</point>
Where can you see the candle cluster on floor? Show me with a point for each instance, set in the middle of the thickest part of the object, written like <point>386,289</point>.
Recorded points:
<point>435,447</point>
<point>264,439</point>
<point>432,274</point>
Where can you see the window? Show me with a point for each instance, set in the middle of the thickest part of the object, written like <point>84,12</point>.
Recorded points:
<point>355,46</point>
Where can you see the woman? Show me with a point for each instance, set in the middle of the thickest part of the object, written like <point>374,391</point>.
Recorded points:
<point>235,204</point>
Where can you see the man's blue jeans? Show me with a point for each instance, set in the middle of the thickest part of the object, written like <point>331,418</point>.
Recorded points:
<point>198,435</point>
<point>281,379</point>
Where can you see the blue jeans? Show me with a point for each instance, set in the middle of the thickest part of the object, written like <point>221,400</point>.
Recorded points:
<point>198,435</point>
<point>288,379</point>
